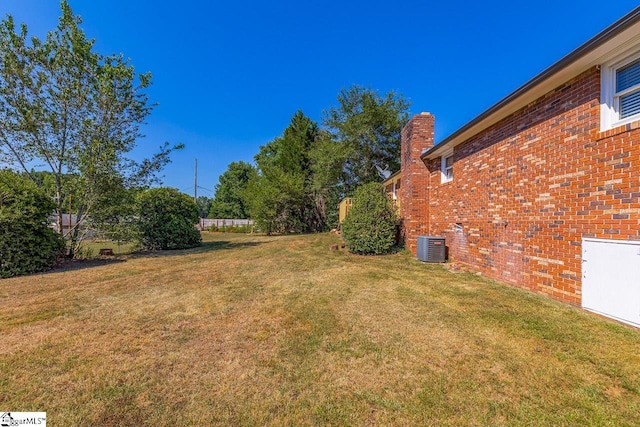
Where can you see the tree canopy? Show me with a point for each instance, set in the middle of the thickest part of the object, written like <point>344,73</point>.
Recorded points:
<point>367,126</point>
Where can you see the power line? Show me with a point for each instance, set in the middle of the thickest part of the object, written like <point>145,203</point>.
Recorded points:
<point>206,189</point>
<point>189,189</point>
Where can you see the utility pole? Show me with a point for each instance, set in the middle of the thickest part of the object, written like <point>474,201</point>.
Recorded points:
<point>195,181</point>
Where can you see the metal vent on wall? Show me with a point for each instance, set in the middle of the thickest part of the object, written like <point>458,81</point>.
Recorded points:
<point>431,249</point>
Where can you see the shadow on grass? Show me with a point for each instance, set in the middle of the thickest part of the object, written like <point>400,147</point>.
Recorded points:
<point>204,248</point>
<point>79,264</point>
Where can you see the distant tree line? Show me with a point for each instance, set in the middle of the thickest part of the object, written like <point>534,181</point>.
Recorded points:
<point>300,177</point>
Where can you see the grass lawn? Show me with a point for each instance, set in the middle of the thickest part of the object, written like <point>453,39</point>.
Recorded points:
<point>255,330</point>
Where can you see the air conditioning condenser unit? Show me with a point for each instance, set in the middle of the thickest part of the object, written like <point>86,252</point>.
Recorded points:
<point>431,249</point>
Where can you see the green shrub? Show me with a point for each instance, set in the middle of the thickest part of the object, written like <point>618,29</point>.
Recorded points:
<point>167,219</point>
<point>27,242</point>
<point>370,226</point>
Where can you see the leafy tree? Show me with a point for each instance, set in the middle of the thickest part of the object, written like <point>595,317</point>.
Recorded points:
<point>370,227</point>
<point>75,111</point>
<point>368,127</point>
<point>167,219</point>
<point>228,201</point>
<point>204,206</point>
<point>27,243</point>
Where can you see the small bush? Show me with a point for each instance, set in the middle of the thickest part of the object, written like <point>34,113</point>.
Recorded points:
<point>167,219</point>
<point>370,226</point>
<point>27,242</point>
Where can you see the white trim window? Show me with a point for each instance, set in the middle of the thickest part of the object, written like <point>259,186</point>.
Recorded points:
<point>620,92</point>
<point>446,167</point>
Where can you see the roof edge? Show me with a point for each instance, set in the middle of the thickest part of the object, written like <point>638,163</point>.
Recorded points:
<point>602,37</point>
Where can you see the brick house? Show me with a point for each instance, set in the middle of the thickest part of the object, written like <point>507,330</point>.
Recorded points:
<point>542,190</point>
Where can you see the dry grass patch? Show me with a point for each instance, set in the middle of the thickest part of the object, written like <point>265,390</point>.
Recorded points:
<point>255,330</point>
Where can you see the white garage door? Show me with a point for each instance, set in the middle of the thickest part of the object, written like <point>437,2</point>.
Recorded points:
<point>611,278</point>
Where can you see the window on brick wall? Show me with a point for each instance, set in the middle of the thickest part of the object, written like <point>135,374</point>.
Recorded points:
<point>620,92</point>
<point>447,167</point>
<point>628,89</point>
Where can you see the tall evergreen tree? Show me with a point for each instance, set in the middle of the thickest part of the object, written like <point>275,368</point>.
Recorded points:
<point>279,195</point>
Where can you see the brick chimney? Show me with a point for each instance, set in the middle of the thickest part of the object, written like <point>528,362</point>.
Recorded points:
<point>417,136</point>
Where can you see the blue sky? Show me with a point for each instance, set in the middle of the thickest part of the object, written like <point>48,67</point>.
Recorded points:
<point>228,75</point>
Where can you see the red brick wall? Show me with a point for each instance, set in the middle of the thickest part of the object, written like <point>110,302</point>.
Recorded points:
<point>529,188</point>
<point>417,136</point>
